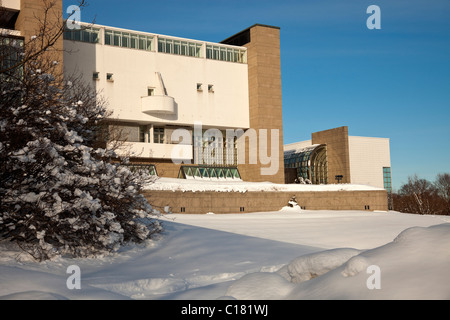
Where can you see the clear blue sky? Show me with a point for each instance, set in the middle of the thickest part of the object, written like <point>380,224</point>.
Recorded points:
<point>393,82</point>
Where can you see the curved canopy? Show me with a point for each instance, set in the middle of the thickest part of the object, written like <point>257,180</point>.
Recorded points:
<point>311,163</point>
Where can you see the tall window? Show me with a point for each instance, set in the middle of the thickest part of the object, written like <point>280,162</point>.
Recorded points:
<point>11,49</point>
<point>158,135</point>
<point>215,149</point>
<point>142,132</point>
<point>387,179</point>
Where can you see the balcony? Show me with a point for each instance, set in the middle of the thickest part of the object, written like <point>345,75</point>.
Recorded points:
<point>156,150</point>
<point>11,4</point>
<point>158,104</point>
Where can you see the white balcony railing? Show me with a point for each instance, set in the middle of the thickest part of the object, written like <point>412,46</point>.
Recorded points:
<point>158,104</point>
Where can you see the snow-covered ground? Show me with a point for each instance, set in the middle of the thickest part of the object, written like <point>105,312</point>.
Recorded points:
<point>271,255</point>
<point>237,185</point>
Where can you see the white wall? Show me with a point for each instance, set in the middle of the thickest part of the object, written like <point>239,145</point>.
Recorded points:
<point>156,150</point>
<point>368,156</point>
<point>135,70</point>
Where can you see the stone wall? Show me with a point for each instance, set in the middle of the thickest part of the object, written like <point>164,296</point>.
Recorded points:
<point>337,152</point>
<point>237,202</point>
<point>32,15</point>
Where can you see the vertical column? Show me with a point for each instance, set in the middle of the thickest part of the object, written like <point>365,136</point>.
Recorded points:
<point>265,101</point>
<point>151,135</point>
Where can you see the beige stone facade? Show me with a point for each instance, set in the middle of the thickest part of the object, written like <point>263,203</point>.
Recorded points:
<point>31,18</point>
<point>237,202</point>
<point>264,76</point>
<point>338,152</point>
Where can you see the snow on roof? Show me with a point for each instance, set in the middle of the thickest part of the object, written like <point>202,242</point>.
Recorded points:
<point>173,184</point>
<point>300,149</point>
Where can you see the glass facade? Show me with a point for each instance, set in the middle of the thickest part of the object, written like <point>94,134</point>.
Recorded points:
<point>311,163</point>
<point>214,148</point>
<point>209,173</point>
<point>387,179</point>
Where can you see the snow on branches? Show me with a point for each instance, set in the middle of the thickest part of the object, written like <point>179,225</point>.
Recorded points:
<point>60,193</point>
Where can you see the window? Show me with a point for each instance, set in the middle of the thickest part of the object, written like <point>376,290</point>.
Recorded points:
<point>142,133</point>
<point>223,53</point>
<point>134,41</point>
<point>158,135</point>
<point>125,40</point>
<point>199,87</point>
<point>210,88</point>
<point>128,40</point>
<point>150,92</point>
<point>116,39</point>
<point>184,48</point>
<point>387,179</point>
<point>109,77</point>
<point>91,35</point>
<point>96,76</point>
<point>11,49</point>
<point>108,37</point>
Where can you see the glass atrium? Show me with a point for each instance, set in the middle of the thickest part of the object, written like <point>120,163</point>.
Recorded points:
<point>311,163</point>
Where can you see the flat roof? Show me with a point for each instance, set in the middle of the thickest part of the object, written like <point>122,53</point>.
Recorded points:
<point>243,32</point>
<point>93,25</point>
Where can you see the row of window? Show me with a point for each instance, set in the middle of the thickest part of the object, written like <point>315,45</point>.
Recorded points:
<point>165,45</point>
<point>225,54</point>
<point>184,48</point>
<point>128,40</point>
<point>158,134</point>
<point>188,172</point>
<point>91,35</point>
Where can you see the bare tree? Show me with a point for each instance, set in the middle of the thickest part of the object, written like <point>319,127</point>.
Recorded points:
<point>422,197</point>
<point>442,185</point>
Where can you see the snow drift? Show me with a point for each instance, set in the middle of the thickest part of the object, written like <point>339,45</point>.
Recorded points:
<point>413,266</point>
<point>269,255</point>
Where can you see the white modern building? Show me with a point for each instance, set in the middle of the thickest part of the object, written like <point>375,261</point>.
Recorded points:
<point>155,84</point>
<point>332,156</point>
